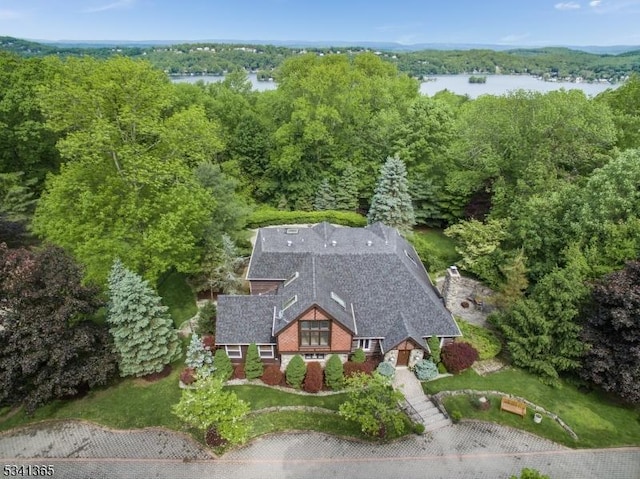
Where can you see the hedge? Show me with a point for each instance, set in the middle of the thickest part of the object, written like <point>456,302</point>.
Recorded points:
<point>267,216</point>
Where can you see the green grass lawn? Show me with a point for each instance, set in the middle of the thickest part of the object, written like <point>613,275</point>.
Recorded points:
<point>303,421</point>
<point>435,249</point>
<point>178,297</point>
<point>260,397</point>
<point>597,420</point>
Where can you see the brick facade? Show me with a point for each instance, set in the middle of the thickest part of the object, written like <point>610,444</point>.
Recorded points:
<point>288,339</point>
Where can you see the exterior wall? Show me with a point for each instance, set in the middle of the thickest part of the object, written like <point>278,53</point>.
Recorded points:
<point>286,358</point>
<point>415,356</point>
<point>243,348</point>
<point>374,349</point>
<point>263,287</point>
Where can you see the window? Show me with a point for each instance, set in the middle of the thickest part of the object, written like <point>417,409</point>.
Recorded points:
<point>314,356</point>
<point>266,351</point>
<point>315,333</point>
<point>338,300</point>
<point>291,279</point>
<point>234,352</point>
<point>364,344</point>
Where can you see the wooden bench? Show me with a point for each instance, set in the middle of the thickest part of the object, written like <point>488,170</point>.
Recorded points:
<point>514,406</point>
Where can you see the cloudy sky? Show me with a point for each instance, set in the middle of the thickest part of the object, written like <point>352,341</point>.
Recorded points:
<point>510,22</point>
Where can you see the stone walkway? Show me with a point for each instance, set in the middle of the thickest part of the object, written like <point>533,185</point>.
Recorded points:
<point>421,408</point>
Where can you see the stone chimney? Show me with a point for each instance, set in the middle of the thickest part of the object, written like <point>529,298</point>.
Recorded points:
<point>451,286</point>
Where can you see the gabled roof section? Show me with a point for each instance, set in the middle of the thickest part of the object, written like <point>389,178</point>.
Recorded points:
<point>246,319</point>
<point>401,330</point>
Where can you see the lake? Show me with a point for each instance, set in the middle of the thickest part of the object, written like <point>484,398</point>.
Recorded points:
<point>495,85</point>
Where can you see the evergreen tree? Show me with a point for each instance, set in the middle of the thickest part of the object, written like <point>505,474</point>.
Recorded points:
<point>253,367</point>
<point>142,329</point>
<point>199,357</point>
<point>347,190</point>
<point>391,202</point>
<point>296,369</point>
<point>334,372</point>
<point>325,199</point>
<point>222,365</point>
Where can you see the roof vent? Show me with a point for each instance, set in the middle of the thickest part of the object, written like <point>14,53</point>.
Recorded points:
<point>334,242</point>
<point>291,231</point>
<point>289,243</point>
<point>369,242</point>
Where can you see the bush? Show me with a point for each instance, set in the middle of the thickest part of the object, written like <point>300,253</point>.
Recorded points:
<point>266,216</point>
<point>222,365</point>
<point>334,372</point>
<point>458,356</point>
<point>386,369</point>
<point>434,346</point>
<point>430,258</point>
<point>272,375</point>
<point>350,368</point>
<point>313,378</point>
<point>358,356</point>
<point>295,371</point>
<point>418,428</point>
<point>209,341</point>
<point>482,339</point>
<point>425,369</point>
<point>238,372</point>
<point>442,369</point>
<point>253,366</point>
<point>206,322</point>
<point>456,416</point>
<point>188,376</point>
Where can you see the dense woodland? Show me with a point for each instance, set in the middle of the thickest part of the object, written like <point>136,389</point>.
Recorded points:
<point>218,58</point>
<point>107,159</point>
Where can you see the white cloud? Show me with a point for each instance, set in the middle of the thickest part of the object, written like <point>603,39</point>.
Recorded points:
<point>9,14</point>
<point>595,3</point>
<point>514,38</point>
<point>118,4</point>
<point>567,6</point>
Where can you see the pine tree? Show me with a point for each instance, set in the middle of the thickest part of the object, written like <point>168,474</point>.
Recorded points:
<point>334,372</point>
<point>253,367</point>
<point>142,329</point>
<point>347,190</point>
<point>222,365</point>
<point>325,199</point>
<point>391,202</point>
<point>199,357</point>
<point>296,369</point>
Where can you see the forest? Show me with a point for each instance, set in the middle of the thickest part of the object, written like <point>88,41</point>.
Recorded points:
<point>218,58</point>
<point>104,159</point>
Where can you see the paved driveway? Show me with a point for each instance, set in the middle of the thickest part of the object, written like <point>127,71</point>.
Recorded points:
<point>467,450</point>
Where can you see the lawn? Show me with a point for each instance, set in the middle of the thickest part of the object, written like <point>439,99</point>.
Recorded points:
<point>260,397</point>
<point>177,295</point>
<point>596,419</point>
<point>436,250</point>
<point>307,421</point>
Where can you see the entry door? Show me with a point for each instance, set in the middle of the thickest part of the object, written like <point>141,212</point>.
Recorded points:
<point>403,357</point>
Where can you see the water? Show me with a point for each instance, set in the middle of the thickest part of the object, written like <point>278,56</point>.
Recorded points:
<point>495,85</point>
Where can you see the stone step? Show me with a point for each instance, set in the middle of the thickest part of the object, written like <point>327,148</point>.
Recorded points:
<point>437,425</point>
<point>426,409</point>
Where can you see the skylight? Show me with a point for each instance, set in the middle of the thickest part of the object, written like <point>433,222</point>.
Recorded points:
<point>338,300</point>
<point>291,231</point>
<point>410,258</point>
<point>293,277</point>
<point>290,302</point>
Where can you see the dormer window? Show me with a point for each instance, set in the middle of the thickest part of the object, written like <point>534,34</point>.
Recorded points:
<point>338,300</point>
<point>293,277</point>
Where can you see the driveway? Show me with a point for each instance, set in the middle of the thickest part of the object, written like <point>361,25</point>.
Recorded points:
<point>468,450</point>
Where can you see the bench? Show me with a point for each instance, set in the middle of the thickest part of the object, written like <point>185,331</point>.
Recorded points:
<point>514,406</point>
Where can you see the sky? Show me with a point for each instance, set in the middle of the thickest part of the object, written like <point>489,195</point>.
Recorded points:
<point>499,22</point>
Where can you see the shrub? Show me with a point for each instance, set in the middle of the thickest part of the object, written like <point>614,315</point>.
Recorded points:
<point>222,365</point>
<point>272,375</point>
<point>188,376</point>
<point>482,339</point>
<point>209,341</point>
<point>206,322</point>
<point>434,346</point>
<point>458,356</point>
<point>425,369</point>
<point>253,366</point>
<point>358,356</point>
<point>334,372</point>
<point>442,369</point>
<point>238,372</point>
<point>418,428</point>
<point>313,378</point>
<point>295,371</point>
<point>266,216</point>
<point>350,368</point>
<point>386,369</point>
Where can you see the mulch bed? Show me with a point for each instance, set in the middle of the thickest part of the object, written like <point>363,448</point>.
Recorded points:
<point>156,376</point>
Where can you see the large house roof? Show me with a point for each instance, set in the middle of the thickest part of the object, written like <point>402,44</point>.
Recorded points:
<point>368,279</point>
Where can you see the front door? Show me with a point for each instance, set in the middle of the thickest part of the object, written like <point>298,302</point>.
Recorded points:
<point>403,357</point>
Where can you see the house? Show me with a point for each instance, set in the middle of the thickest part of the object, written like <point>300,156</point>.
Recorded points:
<point>324,290</point>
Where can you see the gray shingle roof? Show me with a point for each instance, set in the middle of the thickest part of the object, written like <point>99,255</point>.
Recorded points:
<point>372,270</point>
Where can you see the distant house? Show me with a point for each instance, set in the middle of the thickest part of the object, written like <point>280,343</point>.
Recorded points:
<point>330,290</point>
